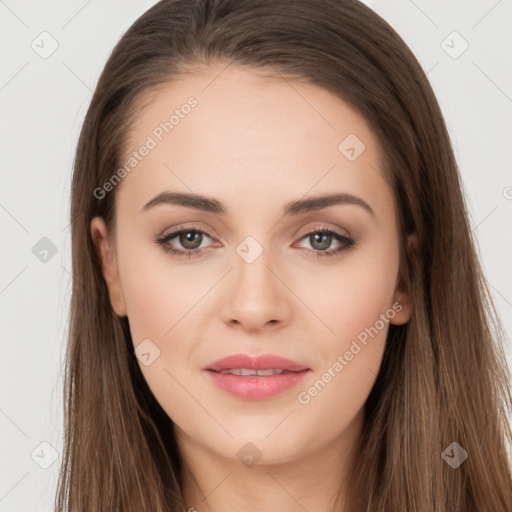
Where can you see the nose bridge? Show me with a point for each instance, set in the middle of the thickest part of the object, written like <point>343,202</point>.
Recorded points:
<point>256,296</point>
<point>252,265</point>
<point>252,269</point>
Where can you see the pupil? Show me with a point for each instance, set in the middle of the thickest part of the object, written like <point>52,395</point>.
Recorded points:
<point>324,243</point>
<point>189,239</point>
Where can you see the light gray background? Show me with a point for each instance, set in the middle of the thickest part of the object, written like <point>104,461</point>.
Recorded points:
<point>43,102</point>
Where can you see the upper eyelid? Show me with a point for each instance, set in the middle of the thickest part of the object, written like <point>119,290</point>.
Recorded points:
<point>176,231</point>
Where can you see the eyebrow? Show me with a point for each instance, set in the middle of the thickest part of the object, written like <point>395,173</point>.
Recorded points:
<point>212,205</point>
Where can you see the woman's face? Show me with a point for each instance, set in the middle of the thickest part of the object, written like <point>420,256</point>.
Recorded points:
<point>266,267</point>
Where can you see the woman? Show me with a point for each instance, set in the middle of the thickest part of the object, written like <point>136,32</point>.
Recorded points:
<point>277,302</point>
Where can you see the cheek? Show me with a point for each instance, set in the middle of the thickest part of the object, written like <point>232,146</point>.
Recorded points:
<point>349,299</point>
<point>161,309</point>
<point>165,306</point>
<point>150,306</point>
<point>159,296</point>
<point>357,309</point>
<point>340,384</point>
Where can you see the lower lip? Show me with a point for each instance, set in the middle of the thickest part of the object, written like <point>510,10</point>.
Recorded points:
<point>256,387</point>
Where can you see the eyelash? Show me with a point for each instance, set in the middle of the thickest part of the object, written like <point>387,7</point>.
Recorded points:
<point>345,241</point>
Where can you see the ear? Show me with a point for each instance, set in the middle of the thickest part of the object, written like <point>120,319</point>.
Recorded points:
<point>402,294</point>
<point>108,265</point>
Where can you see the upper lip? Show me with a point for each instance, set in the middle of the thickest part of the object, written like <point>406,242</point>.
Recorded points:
<point>263,362</point>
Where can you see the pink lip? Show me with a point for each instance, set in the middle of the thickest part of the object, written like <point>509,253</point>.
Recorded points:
<point>264,362</point>
<point>256,387</point>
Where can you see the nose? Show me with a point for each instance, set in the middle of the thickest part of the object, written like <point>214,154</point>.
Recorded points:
<point>256,295</point>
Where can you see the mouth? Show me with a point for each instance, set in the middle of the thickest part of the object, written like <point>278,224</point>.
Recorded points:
<point>256,378</point>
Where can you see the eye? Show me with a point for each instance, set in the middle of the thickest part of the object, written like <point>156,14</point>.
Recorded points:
<point>321,239</point>
<point>189,238</point>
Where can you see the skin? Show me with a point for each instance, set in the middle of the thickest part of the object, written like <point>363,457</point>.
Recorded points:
<point>255,144</point>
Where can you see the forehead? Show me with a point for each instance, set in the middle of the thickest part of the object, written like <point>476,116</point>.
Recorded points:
<point>236,134</point>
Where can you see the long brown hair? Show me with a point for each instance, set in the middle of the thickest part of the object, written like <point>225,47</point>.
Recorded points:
<point>444,377</point>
